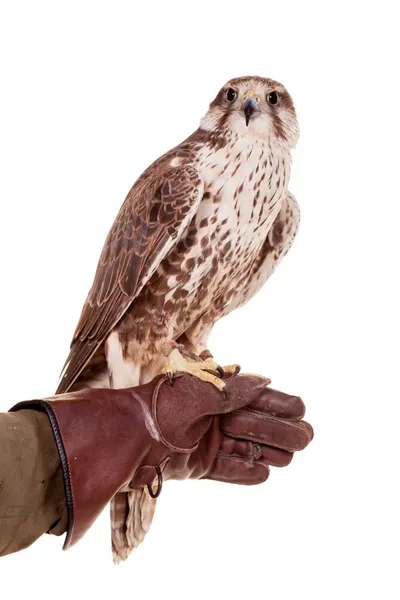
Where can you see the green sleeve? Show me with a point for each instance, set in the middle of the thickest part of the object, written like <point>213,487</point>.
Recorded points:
<point>32,497</point>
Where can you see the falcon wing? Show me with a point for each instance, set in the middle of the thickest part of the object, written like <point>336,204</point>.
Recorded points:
<point>152,219</point>
<point>280,237</point>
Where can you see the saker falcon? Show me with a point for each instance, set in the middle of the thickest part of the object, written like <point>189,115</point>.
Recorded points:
<point>197,236</point>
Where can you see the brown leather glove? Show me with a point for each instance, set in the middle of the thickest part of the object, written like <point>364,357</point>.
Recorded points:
<point>114,440</point>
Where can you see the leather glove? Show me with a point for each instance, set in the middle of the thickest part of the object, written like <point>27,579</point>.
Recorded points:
<point>116,440</point>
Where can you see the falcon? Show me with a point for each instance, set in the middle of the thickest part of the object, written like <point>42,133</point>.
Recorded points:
<point>197,236</point>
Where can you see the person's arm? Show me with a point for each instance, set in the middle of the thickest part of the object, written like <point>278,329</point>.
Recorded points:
<point>32,495</point>
<point>69,455</point>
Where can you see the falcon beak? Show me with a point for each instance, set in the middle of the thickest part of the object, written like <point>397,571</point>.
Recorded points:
<point>250,105</point>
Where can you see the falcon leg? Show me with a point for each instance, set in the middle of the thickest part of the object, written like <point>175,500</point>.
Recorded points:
<point>195,341</point>
<point>123,373</point>
<point>203,369</point>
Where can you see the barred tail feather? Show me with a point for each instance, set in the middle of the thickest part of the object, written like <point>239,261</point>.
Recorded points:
<point>131,516</point>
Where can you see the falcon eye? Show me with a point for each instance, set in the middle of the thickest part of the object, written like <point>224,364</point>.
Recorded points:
<point>230,94</point>
<point>273,98</point>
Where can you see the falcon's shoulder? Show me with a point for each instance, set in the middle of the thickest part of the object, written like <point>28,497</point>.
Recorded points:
<point>152,219</point>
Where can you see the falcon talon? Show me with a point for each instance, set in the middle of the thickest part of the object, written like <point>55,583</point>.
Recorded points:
<point>236,371</point>
<point>205,370</point>
<point>221,372</point>
<point>232,370</point>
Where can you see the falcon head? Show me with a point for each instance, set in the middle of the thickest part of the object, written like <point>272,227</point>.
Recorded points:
<point>254,106</point>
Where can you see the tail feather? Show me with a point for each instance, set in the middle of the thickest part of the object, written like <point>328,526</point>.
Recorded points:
<point>131,516</point>
<point>119,510</point>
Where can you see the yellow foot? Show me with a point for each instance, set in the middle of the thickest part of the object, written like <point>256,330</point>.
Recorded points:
<point>231,370</point>
<point>228,371</point>
<point>203,369</point>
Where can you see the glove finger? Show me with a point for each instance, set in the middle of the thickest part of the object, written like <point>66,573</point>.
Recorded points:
<point>247,463</point>
<point>264,429</point>
<point>239,465</point>
<point>280,405</point>
<point>249,451</point>
<point>243,390</point>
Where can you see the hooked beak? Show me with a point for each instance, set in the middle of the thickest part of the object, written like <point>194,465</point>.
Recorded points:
<point>250,106</point>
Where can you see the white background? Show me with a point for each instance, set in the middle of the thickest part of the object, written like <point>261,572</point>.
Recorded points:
<point>91,93</point>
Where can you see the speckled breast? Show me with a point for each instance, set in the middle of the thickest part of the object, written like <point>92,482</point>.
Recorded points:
<point>214,260</point>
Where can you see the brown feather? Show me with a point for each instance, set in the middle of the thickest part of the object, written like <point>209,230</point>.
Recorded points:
<point>150,220</point>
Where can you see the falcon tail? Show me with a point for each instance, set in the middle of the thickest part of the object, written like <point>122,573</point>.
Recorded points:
<point>131,512</point>
<point>131,516</point>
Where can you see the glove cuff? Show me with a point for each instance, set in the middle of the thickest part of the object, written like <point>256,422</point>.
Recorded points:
<point>97,451</point>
